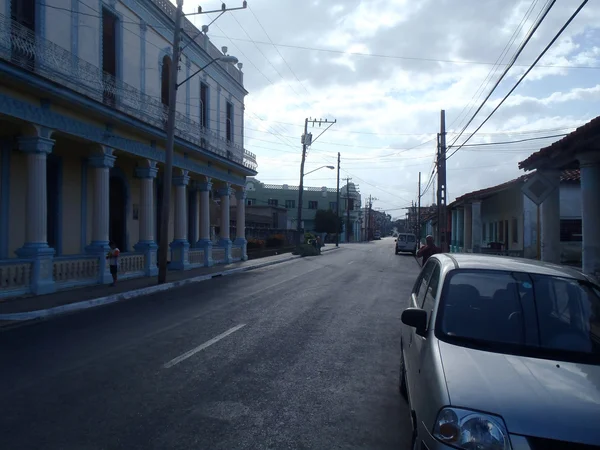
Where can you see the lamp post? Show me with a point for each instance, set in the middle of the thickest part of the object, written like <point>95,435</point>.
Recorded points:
<point>299,215</point>
<point>163,247</point>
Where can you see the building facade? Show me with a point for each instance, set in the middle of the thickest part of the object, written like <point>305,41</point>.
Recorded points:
<point>286,196</point>
<point>83,107</point>
<point>502,219</point>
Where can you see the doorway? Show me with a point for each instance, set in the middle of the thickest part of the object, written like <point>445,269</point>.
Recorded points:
<point>118,212</point>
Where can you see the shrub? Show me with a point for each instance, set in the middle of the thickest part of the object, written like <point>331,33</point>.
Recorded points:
<point>255,244</point>
<point>307,250</point>
<point>276,240</point>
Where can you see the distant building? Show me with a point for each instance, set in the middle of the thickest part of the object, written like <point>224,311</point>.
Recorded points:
<point>286,196</point>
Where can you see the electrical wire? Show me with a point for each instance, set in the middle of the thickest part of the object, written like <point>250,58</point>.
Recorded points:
<point>564,27</point>
<point>372,55</point>
<point>511,63</point>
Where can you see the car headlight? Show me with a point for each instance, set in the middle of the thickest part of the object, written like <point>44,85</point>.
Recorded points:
<point>471,430</point>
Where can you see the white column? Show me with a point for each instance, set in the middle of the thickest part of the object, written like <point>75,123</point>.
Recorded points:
<point>204,241</point>
<point>224,194</point>
<point>36,237</point>
<point>146,219</point>
<point>204,199</point>
<point>180,245</point>
<point>476,227</point>
<point>147,241</point>
<point>590,211</point>
<point>551,221</point>
<point>468,228</point>
<point>101,164</point>
<point>460,227</point>
<point>240,220</point>
<point>37,150</point>
<point>454,231</point>
<point>225,241</point>
<point>195,215</point>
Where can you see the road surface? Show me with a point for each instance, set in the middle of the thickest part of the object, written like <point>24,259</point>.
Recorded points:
<point>300,355</point>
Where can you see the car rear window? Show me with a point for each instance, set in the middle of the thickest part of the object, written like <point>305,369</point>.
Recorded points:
<point>411,238</point>
<point>552,313</point>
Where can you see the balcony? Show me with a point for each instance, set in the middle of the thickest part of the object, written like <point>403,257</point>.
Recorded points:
<point>21,47</point>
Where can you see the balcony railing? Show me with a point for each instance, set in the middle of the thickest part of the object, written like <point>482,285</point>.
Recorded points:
<point>22,47</point>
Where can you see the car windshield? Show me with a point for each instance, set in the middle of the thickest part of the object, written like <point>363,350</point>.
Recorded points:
<point>554,315</point>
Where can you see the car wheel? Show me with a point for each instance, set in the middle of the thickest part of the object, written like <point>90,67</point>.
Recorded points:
<point>396,251</point>
<point>402,378</point>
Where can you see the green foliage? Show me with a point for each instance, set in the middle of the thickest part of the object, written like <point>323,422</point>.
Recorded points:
<point>327,221</point>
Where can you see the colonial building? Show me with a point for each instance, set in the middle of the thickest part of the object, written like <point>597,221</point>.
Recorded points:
<point>286,196</point>
<point>83,107</point>
<point>502,219</point>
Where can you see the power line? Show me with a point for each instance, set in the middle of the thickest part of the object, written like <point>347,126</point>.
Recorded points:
<point>511,63</point>
<point>524,75</point>
<point>513,142</point>
<point>494,69</point>
<point>413,58</point>
<point>277,49</point>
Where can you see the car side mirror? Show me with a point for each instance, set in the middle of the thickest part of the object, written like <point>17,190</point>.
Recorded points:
<point>395,240</point>
<point>416,318</point>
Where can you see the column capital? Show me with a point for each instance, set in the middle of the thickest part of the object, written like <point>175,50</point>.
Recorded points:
<point>589,159</point>
<point>225,191</point>
<point>240,194</point>
<point>204,186</point>
<point>103,159</point>
<point>147,172</point>
<point>35,144</point>
<point>182,180</point>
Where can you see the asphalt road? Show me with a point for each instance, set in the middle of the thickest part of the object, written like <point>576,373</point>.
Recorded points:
<point>300,355</point>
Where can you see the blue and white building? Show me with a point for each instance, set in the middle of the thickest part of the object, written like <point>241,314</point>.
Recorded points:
<point>83,95</point>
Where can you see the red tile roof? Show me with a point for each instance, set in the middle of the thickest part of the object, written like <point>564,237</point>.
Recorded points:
<point>564,145</point>
<point>566,175</point>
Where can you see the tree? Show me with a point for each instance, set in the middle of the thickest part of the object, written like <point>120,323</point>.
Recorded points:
<point>326,221</point>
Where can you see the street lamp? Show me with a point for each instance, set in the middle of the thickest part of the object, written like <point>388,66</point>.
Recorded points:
<point>163,246</point>
<point>322,167</point>
<point>299,213</point>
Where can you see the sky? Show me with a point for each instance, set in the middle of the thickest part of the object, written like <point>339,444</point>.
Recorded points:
<point>384,69</point>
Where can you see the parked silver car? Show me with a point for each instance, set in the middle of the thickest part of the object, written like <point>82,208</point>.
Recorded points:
<point>502,353</point>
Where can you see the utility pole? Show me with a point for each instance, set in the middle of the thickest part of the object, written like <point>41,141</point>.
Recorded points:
<point>419,209</point>
<point>307,140</point>
<point>337,204</point>
<point>348,209</point>
<point>163,245</point>
<point>441,188</point>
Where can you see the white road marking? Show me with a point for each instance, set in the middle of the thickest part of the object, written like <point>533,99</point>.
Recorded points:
<point>201,347</point>
<point>351,262</point>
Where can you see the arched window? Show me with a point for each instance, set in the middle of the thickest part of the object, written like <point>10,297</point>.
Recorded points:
<point>165,80</point>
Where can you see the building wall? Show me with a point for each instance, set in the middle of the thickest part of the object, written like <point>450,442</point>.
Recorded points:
<point>140,52</point>
<point>570,201</point>
<point>504,206</point>
<point>261,196</point>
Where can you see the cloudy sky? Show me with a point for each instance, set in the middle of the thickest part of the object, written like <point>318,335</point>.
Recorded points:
<point>385,68</point>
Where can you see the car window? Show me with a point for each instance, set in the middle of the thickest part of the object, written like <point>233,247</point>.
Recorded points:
<point>410,238</point>
<point>402,238</point>
<point>504,307</point>
<point>432,288</point>
<point>423,281</point>
<point>568,314</point>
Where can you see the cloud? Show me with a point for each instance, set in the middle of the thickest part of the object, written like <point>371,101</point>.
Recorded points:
<point>389,68</point>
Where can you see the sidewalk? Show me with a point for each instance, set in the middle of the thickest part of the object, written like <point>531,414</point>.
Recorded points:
<point>43,306</point>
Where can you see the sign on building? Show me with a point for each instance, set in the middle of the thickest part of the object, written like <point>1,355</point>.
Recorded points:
<point>538,187</point>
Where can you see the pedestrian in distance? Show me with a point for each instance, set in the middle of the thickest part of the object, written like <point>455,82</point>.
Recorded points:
<point>428,249</point>
<point>113,261</point>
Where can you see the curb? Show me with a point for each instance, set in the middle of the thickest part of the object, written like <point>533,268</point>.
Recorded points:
<point>101,301</point>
